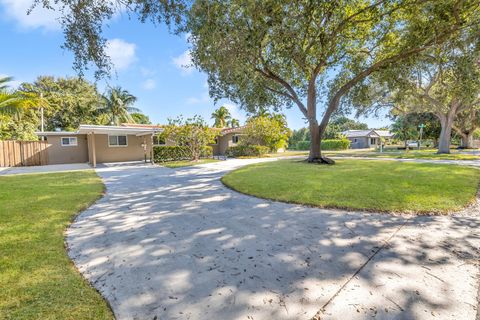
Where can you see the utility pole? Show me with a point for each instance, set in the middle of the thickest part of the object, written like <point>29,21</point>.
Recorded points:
<point>42,128</point>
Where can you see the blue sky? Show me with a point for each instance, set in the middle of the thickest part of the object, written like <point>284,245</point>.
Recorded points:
<point>150,63</point>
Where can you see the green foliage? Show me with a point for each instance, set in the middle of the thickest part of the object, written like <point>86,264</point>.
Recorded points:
<point>403,129</point>
<point>67,102</point>
<point>207,152</point>
<point>301,145</point>
<point>177,153</point>
<point>193,133</point>
<point>297,136</point>
<point>171,153</point>
<point>140,118</point>
<point>246,151</point>
<point>335,144</point>
<point>233,123</point>
<point>221,116</point>
<point>269,131</point>
<point>117,106</point>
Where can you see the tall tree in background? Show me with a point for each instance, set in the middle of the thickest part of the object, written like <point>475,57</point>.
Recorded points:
<point>140,118</point>
<point>234,123</point>
<point>67,102</point>
<point>117,105</point>
<point>221,117</point>
<point>18,119</point>
<point>14,103</point>
<point>443,81</point>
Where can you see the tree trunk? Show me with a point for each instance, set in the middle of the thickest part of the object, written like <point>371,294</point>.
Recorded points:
<point>467,140</point>
<point>315,155</point>
<point>446,121</point>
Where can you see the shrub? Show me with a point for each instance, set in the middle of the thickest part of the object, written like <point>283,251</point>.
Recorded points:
<point>246,151</point>
<point>207,152</point>
<point>303,145</point>
<point>171,153</point>
<point>335,144</point>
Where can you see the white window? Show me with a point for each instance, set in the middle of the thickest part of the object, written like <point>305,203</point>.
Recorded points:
<point>372,141</point>
<point>158,141</point>
<point>117,141</point>
<point>69,141</point>
<point>235,139</point>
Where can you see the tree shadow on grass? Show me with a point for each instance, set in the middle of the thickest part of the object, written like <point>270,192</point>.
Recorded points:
<point>177,244</point>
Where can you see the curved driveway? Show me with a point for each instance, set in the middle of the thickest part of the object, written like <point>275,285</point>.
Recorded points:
<point>176,244</point>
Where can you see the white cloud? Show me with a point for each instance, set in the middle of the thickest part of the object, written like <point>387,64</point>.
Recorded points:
<point>204,98</point>
<point>184,62</point>
<point>147,72</point>
<point>149,84</point>
<point>38,18</point>
<point>121,53</point>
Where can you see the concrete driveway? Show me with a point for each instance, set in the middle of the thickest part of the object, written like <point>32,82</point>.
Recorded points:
<point>176,244</point>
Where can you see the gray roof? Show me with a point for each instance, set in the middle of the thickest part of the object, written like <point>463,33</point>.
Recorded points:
<point>366,133</point>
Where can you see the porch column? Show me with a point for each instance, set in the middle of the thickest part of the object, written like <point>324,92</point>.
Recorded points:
<point>151,149</point>
<point>94,152</point>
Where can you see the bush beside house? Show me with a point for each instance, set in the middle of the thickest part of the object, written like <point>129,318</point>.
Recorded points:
<point>178,153</point>
<point>328,144</point>
<point>247,151</point>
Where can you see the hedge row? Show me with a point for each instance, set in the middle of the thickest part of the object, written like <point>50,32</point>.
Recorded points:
<point>329,144</point>
<point>246,151</point>
<point>335,144</point>
<point>177,153</point>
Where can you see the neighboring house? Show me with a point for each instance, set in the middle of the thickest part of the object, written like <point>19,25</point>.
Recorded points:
<point>371,138</point>
<point>96,144</point>
<point>228,137</point>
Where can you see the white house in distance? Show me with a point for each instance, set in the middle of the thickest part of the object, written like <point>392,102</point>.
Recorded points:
<point>362,139</point>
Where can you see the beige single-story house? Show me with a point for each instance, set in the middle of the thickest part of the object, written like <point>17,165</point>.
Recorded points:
<point>100,144</point>
<point>366,138</point>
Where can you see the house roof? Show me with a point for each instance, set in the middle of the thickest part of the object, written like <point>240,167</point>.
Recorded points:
<point>232,130</point>
<point>87,128</point>
<point>359,133</point>
<point>366,133</point>
<point>139,125</point>
<point>384,133</point>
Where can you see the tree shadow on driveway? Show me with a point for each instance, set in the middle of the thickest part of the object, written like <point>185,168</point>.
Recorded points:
<point>177,244</point>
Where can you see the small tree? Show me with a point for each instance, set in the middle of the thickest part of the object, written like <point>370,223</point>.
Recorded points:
<point>403,129</point>
<point>193,133</point>
<point>268,131</point>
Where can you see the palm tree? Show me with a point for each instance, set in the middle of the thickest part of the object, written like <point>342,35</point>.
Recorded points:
<point>221,116</point>
<point>234,123</point>
<point>14,102</point>
<point>117,105</point>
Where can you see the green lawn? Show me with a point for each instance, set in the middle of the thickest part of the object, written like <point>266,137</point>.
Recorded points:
<point>37,279</point>
<point>402,154</point>
<point>361,184</point>
<point>186,163</point>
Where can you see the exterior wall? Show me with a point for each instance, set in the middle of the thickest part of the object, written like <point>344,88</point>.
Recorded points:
<point>362,143</point>
<point>224,142</point>
<point>132,152</point>
<point>58,154</point>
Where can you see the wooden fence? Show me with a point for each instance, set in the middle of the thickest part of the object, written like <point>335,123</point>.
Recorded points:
<point>23,153</point>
